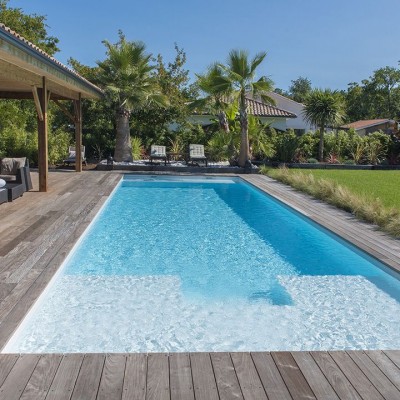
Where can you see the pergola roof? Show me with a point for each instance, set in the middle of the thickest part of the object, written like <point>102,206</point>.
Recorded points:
<point>23,66</point>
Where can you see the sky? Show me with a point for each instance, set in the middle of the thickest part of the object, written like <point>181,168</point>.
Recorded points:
<point>330,42</point>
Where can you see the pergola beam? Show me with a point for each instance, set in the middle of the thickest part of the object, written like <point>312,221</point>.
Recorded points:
<point>37,103</point>
<point>78,134</point>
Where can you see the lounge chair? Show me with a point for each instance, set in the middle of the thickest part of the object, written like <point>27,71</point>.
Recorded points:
<point>158,153</point>
<point>72,156</point>
<point>196,153</point>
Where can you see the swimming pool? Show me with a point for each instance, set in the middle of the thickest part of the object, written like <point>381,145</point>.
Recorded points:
<point>198,264</point>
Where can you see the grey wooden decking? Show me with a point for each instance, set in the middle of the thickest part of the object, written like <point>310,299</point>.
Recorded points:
<point>202,376</point>
<point>38,230</point>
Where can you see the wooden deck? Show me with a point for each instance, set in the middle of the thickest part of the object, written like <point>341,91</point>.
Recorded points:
<point>38,230</point>
<point>202,376</point>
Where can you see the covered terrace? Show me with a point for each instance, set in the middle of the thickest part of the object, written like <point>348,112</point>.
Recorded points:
<point>27,72</point>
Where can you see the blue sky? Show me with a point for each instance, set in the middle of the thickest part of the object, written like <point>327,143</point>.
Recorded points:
<point>331,43</point>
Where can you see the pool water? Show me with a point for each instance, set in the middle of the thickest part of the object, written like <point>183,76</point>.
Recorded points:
<point>199,264</point>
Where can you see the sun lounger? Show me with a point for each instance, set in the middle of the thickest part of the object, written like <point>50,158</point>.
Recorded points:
<point>72,156</point>
<point>196,153</point>
<point>158,153</point>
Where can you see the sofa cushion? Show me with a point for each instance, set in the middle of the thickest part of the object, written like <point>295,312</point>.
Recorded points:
<point>10,166</point>
<point>2,183</point>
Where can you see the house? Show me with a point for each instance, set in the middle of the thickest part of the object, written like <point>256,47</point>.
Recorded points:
<point>276,117</point>
<point>365,127</point>
<point>298,124</point>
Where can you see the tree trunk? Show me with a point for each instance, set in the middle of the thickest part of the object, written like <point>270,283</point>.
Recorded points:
<point>123,147</point>
<point>321,143</point>
<point>223,122</point>
<point>244,154</point>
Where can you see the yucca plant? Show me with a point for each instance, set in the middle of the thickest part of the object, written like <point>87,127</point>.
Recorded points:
<point>137,148</point>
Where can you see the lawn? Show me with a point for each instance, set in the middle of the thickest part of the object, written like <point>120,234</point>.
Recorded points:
<point>384,185</point>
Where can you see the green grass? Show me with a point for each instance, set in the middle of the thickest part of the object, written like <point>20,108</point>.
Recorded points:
<point>383,185</point>
<point>372,196</point>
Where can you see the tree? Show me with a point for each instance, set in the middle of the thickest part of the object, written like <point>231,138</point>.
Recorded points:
<point>126,76</point>
<point>323,108</point>
<point>300,89</point>
<point>32,27</point>
<point>216,90</point>
<point>236,77</point>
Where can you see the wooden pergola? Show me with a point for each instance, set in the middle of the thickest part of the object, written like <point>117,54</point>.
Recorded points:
<point>27,72</point>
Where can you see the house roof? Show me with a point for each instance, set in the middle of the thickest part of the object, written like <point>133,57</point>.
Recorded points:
<point>25,64</point>
<point>366,123</point>
<point>260,109</point>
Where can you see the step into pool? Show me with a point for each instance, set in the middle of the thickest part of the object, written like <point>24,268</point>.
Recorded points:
<point>210,264</point>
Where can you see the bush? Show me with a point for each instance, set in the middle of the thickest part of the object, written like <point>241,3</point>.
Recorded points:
<point>59,141</point>
<point>286,146</point>
<point>312,161</point>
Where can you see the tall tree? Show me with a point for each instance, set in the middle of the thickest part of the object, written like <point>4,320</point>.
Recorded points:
<point>300,89</point>
<point>126,76</point>
<point>237,78</point>
<point>216,91</point>
<point>32,27</point>
<point>324,108</point>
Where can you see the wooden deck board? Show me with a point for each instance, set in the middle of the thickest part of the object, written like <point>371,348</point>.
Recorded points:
<point>38,231</point>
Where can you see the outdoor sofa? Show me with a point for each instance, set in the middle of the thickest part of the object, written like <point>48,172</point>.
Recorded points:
<point>16,173</point>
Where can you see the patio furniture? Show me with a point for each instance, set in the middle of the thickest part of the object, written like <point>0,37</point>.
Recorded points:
<point>72,156</point>
<point>16,173</point>
<point>3,195</point>
<point>196,153</point>
<point>158,153</point>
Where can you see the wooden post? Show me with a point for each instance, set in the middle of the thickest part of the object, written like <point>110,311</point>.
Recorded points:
<point>42,139</point>
<point>78,134</point>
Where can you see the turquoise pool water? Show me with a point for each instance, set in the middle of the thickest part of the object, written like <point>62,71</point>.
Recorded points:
<point>196,264</point>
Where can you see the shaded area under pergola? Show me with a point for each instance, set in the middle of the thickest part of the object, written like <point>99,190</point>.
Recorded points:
<point>27,72</point>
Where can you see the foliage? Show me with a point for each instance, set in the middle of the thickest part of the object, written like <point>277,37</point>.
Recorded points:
<point>236,78</point>
<point>323,108</point>
<point>58,141</point>
<point>300,89</point>
<point>362,206</point>
<point>286,146</point>
<point>31,26</point>
<point>219,147</point>
<point>128,82</point>
<point>137,148</point>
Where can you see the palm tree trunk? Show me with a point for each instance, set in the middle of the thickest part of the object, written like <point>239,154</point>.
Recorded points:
<point>244,154</point>
<point>223,122</point>
<point>123,147</point>
<point>321,143</point>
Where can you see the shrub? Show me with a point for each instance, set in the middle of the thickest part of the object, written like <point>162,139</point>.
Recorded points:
<point>286,145</point>
<point>312,161</point>
<point>59,141</point>
<point>137,148</point>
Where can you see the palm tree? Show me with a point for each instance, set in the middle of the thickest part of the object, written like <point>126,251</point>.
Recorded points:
<point>239,74</point>
<point>129,85</point>
<point>323,108</point>
<point>215,88</point>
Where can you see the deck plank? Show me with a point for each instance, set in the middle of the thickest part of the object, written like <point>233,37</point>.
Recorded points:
<point>88,381</point>
<point>204,384</point>
<point>157,377</point>
<point>386,365</point>
<point>394,355</point>
<point>64,382</point>
<point>335,376</point>
<point>225,376</point>
<point>112,379</point>
<point>375,375</point>
<point>292,376</point>
<point>249,381</point>
<point>18,377</point>
<point>357,378</point>
<point>135,377</point>
<point>270,377</point>
<point>42,377</point>
<point>7,362</point>
<point>314,376</point>
<point>180,375</point>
